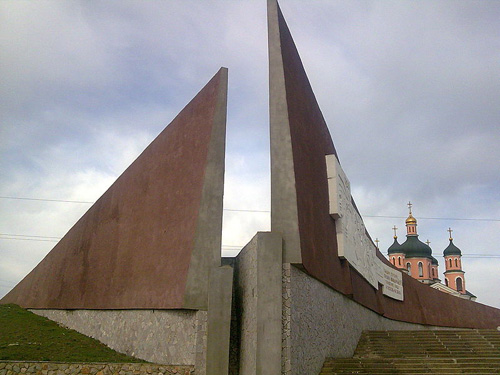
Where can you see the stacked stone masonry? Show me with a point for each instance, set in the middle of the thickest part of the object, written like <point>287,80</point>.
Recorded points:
<point>157,336</point>
<point>56,368</point>
<point>319,322</point>
<point>286,367</point>
<point>247,287</point>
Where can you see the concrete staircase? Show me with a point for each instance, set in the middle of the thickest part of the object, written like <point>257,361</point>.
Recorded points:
<point>422,352</point>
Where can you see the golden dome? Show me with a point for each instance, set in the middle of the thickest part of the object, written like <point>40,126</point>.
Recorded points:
<point>411,220</point>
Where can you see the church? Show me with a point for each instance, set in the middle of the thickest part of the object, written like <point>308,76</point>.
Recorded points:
<point>414,257</point>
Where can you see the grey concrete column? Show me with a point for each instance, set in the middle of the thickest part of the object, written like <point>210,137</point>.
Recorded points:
<point>284,216</point>
<point>220,293</point>
<point>259,290</point>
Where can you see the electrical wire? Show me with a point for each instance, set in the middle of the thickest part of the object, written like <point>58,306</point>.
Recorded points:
<point>46,200</point>
<point>431,218</point>
<point>266,211</point>
<point>225,247</point>
<point>26,235</point>
<point>27,239</point>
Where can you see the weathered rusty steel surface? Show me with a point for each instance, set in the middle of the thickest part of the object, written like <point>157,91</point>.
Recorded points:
<point>133,249</point>
<point>310,141</point>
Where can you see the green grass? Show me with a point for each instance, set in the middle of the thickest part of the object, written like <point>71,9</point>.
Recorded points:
<point>25,336</point>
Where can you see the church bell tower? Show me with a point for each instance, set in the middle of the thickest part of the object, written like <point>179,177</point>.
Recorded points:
<point>454,276</point>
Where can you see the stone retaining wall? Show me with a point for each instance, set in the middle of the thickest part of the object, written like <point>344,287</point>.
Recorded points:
<point>258,292</point>
<point>319,322</point>
<point>156,336</point>
<point>59,368</point>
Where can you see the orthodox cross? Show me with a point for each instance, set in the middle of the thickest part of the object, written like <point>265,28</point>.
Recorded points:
<point>450,230</point>
<point>428,242</point>
<point>409,206</point>
<point>394,228</point>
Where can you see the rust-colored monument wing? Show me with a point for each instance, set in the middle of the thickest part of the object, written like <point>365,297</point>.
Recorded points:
<point>300,212</point>
<point>300,139</point>
<point>150,240</point>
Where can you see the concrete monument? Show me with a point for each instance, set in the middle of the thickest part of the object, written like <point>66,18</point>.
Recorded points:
<point>141,270</point>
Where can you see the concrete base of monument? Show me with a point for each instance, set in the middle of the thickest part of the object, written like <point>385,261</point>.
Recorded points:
<point>319,323</point>
<point>158,336</point>
<point>278,306</point>
<point>172,337</point>
<point>269,317</point>
<point>256,315</point>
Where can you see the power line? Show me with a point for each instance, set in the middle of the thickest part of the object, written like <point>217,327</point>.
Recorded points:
<point>431,218</point>
<point>58,238</point>
<point>227,247</point>
<point>46,200</point>
<point>26,235</point>
<point>87,202</point>
<point>266,211</point>
<point>236,210</point>
<point>27,239</point>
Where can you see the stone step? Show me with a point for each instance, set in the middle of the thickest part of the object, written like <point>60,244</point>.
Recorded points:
<point>389,372</point>
<point>400,353</point>
<point>422,352</point>
<point>326,371</point>
<point>436,343</point>
<point>493,340</point>
<point>426,350</point>
<point>403,366</point>
<point>433,340</point>
<point>421,348</point>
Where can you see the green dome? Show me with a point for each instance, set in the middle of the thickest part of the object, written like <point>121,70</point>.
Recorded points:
<point>434,261</point>
<point>394,248</point>
<point>414,248</point>
<point>452,250</point>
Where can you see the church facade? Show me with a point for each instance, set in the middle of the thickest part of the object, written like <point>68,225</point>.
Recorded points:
<point>415,258</point>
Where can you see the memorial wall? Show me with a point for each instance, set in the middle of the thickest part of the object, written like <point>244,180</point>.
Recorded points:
<point>312,208</point>
<point>141,270</point>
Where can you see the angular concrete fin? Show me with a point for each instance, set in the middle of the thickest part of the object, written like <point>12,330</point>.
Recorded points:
<point>207,242</point>
<point>284,217</point>
<point>300,139</point>
<point>150,240</point>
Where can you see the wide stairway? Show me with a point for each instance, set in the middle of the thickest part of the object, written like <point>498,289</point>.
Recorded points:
<point>422,352</point>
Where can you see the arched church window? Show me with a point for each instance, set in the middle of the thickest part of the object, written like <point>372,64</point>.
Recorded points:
<point>456,262</point>
<point>420,269</point>
<point>393,260</point>
<point>399,260</point>
<point>450,263</point>
<point>459,284</point>
<point>408,267</point>
<point>446,282</point>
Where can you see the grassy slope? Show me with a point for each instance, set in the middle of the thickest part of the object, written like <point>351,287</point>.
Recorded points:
<point>29,337</point>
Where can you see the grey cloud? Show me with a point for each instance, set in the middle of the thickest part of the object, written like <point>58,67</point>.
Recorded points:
<point>409,89</point>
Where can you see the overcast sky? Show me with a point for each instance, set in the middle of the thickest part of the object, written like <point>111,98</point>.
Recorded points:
<point>410,90</point>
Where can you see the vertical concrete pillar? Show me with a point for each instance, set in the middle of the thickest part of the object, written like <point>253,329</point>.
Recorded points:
<point>258,288</point>
<point>269,303</point>
<point>284,214</point>
<point>220,293</point>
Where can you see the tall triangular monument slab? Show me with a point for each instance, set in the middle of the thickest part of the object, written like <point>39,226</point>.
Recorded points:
<point>300,139</point>
<point>313,211</point>
<point>152,238</point>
